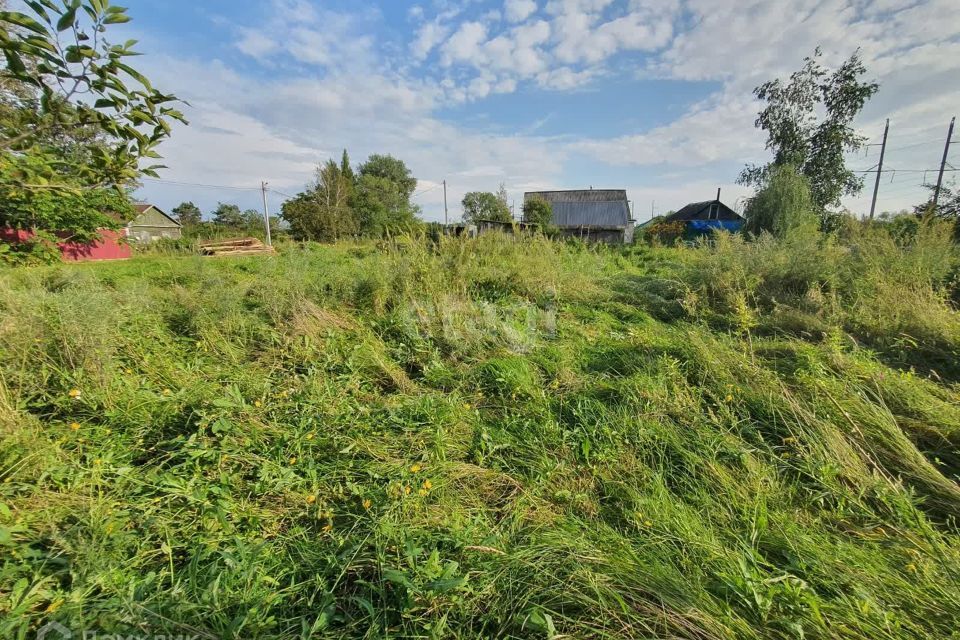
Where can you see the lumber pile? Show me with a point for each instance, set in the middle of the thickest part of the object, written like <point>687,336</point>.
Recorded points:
<point>235,247</point>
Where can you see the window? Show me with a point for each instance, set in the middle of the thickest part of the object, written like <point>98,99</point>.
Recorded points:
<point>714,213</point>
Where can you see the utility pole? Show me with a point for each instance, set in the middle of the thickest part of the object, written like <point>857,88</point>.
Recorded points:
<point>943,164</point>
<point>876,185</point>
<point>445,221</point>
<point>266,212</point>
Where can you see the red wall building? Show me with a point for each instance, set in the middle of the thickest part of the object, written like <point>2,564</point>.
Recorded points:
<point>111,245</point>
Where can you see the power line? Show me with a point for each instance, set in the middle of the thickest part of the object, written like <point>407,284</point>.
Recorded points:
<point>197,184</point>
<point>427,190</point>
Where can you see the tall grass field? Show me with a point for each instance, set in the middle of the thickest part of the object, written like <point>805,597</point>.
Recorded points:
<point>487,438</point>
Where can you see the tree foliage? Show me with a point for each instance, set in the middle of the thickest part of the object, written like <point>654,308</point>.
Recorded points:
<point>64,77</point>
<point>392,169</point>
<point>76,119</point>
<point>948,205</point>
<point>483,205</point>
<point>808,124</point>
<point>783,204</point>
<point>373,201</point>
<point>228,215</point>
<point>188,214</point>
<point>383,206</point>
<point>538,211</point>
<point>323,211</point>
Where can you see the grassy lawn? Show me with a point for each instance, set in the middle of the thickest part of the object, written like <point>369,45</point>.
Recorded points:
<point>490,438</point>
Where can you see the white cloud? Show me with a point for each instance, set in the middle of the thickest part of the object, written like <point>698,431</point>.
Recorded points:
<point>519,10</point>
<point>428,37</point>
<point>253,43</point>
<point>349,90</point>
<point>464,45</point>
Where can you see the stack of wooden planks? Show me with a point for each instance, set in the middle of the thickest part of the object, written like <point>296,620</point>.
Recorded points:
<point>235,247</point>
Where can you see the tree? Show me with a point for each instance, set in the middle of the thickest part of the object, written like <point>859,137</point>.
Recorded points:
<point>346,170</point>
<point>808,124</point>
<point>63,77</point>
<point>502,195</point>
<point>188,214</point>
<point>948,204</point>
<point>783,205</point>
<point>538,211</point>
<point>382,206</point>
<point>392,169</point>
<point>323,211</point>
<point>71,129</point>
<point>228,215</point>
<point>483,205</point>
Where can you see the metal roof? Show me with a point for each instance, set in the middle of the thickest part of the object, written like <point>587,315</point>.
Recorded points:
<point>578,195</point>
<point>614,213</point>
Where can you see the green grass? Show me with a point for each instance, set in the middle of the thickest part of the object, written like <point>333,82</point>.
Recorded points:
<point>487,438</point>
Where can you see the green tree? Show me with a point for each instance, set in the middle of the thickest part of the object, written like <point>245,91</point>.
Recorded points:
<point>383,206</point>
<point>392,169</point>
<point>323,212</point>
<point>75,119</point>
<point>483,205</point>
<point>808,124</point>
<point>948,205</point>
<point>538,211</point>
<point>188,214</point>
<point>346,170</point>
<point>783,205</point>
<point>229,215</point>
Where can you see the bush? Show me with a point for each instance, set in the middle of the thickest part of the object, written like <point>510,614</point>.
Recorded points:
<point>783,205</point>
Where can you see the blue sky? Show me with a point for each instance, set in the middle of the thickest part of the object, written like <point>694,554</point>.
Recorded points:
<point>649,95</point>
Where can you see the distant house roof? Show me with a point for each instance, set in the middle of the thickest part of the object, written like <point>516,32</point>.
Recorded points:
<point>143,208</point>
<point>702,211</point>
<point>596,208</point>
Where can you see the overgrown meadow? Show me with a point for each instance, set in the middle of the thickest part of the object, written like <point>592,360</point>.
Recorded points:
<point>488,438</point>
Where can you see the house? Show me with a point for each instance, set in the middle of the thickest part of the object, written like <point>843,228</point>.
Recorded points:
<point>595,215</point>
<point>151,223</point>
<point>110,245</point>
<point>703,217</point>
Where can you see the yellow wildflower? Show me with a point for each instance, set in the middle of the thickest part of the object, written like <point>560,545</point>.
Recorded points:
<point>310,436</point>
<point>427,485</point>
<point>647,523</point>
<point>75,426</point>
<point>311,499</point>
<point>327,528</point>
<point>416,468</point>
<point>729,398</point>
<point>790,440</point>
<point>406,490</point>
<point>466,405</point>
<point>257,403</point>
<point>97,461</point>
<point>422,492</point>
<point>74,393</point>
<point>167,392</point>
<point>367,503</point>
<point>293,459</point>
<point>53,606</point>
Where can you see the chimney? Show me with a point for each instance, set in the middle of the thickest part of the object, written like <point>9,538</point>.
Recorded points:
<point>718,194</point>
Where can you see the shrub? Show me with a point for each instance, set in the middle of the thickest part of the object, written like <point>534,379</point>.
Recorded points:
<point>783,204</point>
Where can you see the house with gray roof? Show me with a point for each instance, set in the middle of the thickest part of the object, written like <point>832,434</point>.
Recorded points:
<point>594,215</point>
